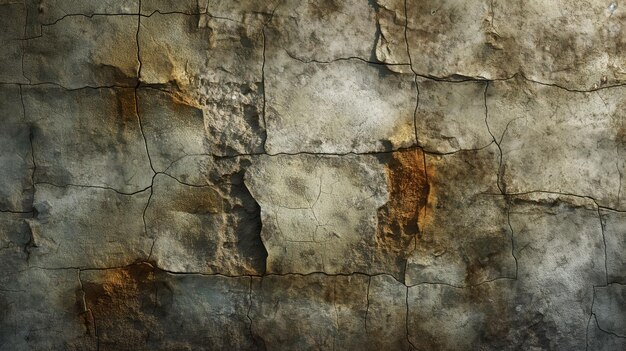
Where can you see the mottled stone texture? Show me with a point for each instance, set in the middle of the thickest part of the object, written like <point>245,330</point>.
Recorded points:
<point>313,175</point>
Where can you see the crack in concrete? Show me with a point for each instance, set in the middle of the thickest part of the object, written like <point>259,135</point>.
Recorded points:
<point>408,333</point>
<point>88,312</point>
<point>500,176</point>
<point>248,312</point>
<point>264,89</point>
<point>592,315</point>
<point>145,223</point>
<point>451,79</point>
<point>339,59</point>
<point>129,14</point>
<point>508,218</point>
<point>424,76</point>
<point>606,269</point>
<point>16,212</point>
<point>557,193</point>
<point>263,85</point>
<point>68,185</point>
<point>367,298</point>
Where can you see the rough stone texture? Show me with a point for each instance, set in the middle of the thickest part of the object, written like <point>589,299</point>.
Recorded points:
<point>213,230</point>
<point>172,129</point>
<point>325,31</point>
<point>221,74</point>
<point>570,43</point>
<point>142,308</point>
<point>87,228</point>
<point>41,311</point>
<point>475,246</point>
<point>312,175</point>
<point>442,317</point>
<point>608,300</point>
<point>324,312</point>
<point>451,116</point>
<point>371,109</point>
<point>80,51</point>
<point>581,148</point>
<point>15,152</point>
<point>317,214</point>
<point>12,21</point>
<point>89,137</point>
<point>614,225</point>
<point>49,12</point>
<point>14,237</point>
<point>557,273</point>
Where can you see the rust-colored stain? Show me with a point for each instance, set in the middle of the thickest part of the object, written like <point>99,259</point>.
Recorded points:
<point>126,304</point>
<point>195,200</point>
<point>400,219</point>
<point>126,107</point>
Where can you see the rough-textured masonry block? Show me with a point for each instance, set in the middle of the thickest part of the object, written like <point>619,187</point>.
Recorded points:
<point>312,175</point>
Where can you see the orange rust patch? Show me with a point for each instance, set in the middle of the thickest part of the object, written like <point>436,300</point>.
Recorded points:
<point>399,220</point>
<point>125,304</point>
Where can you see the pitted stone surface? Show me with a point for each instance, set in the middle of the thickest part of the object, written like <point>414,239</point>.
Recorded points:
<point>113,155</point>
<point>372,111</point>
<point>302,231</point>
<point>312,175</point>
<point>576,44</point>
<point>474,248</point>
<point>106,227</point>
<point>15,152</point>
<point>80,51</point>
<point>559,141</point>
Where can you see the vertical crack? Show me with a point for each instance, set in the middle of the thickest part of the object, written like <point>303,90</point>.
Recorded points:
<point>248,311</point>
<point>408,337</point>
<point>378,35</point>
<point>31,136</point>
<point>606,266</point>
<point>264,88</point>
<point>591,314</point>
<point>137,112</point>
<point>143,135</point>
<point>143,217</point>
<point>87,311</point>
<point>500,176</point>
<point>619,189</point>
<point>367,297</point>
<point>508,218</point>
<point>415,75</point>
<point>24,42</point>
<point>263,85</point>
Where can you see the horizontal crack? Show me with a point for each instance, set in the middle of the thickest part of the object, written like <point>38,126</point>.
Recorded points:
<point>349,58</point>
<point>16,212</point>
<point>530,192</point>
<point>154,266</point>
<point>203,13</point>
<point>93,186</point>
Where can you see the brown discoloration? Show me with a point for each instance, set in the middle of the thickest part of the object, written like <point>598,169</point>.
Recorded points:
<point>486,310</point>
<point>126,106</point>
<point>400,219</point>
<point>197,200</point>
<point>324,8</point>
<point>126,304</point>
